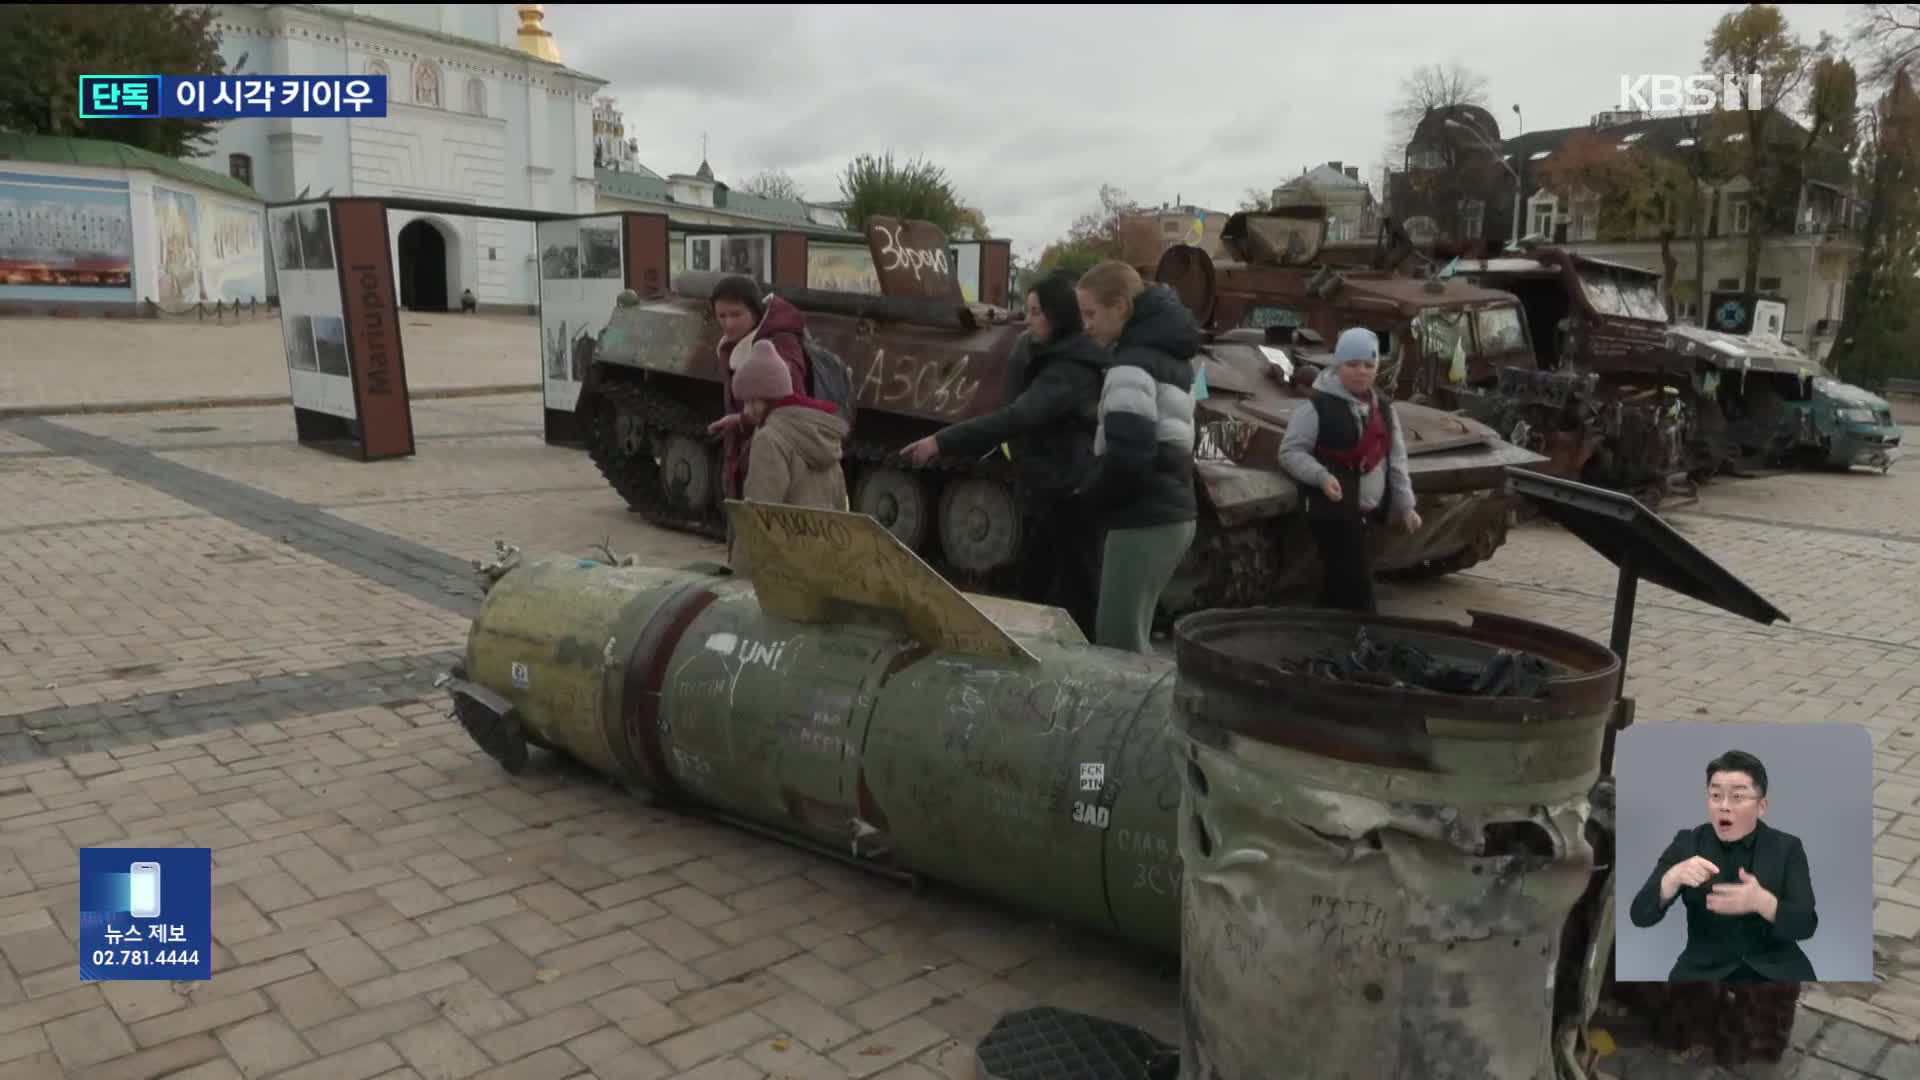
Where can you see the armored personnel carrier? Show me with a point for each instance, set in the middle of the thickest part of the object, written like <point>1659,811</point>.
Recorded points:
<point>920,358</point>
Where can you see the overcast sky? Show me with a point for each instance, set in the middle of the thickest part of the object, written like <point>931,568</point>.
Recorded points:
<point>1030,109</point>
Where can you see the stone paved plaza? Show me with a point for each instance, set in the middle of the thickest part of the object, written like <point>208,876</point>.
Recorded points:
<point>210,636</point>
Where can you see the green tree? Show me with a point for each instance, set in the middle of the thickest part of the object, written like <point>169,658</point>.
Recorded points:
<point>1094,235</point>
<point>918,189</point>
<point>47,47</point>
<point>973,222</point>
<point>1878,332</point>
<point>1794,77</point>
<point>1077,256</point>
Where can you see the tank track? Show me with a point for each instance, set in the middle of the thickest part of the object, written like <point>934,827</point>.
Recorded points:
<point>1243,567</point>
<point>637,477</point>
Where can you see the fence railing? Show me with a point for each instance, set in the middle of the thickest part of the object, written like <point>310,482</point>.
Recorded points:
<point>217,310</point>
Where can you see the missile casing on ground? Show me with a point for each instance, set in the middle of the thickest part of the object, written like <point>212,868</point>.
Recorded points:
<point>850,699</point>
<point>1032,768</point>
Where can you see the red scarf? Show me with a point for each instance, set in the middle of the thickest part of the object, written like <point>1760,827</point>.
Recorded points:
<point>1366,454</point>
<point>801,401</point>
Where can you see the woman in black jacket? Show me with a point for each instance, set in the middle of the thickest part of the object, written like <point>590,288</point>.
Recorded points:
<point>1141,487</point>
<point>1048,427</point>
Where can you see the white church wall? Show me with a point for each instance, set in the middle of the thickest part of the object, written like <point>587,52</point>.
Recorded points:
<point>532,147</point>
<point>481,22</point>
<point>559,150</point>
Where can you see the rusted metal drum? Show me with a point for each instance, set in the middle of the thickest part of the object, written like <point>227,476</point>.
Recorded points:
<point>1376,879</point>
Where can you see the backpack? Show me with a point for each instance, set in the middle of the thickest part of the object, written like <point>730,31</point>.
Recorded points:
<point>827,378</point>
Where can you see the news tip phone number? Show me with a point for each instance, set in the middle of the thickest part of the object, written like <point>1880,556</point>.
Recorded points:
<point>142,957</point>
<point>226,97</point>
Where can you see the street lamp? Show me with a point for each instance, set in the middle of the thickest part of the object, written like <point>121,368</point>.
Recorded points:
<point>1514,236</point>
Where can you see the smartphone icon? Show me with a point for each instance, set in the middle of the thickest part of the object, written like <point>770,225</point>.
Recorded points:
<point>144,892</point>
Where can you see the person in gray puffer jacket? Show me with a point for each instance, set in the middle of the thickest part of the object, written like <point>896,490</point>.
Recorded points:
<point>1141,487</point>
<point>1345,449</point>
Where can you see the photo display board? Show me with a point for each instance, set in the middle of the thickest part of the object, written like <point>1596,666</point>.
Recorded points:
<point>582,272</point>
<point>312,320</point>
<point>733,253</point>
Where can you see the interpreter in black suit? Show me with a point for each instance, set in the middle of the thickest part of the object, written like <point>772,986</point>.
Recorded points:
<point>1748,892</point>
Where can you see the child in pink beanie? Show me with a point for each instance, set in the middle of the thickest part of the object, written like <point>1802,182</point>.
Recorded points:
<point>797,441</point>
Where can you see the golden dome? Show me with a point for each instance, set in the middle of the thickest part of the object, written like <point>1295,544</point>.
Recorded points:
<point>533,38</point>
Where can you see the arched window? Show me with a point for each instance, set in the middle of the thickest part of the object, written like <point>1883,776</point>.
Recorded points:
<point>476,97</point>
<point>426,85</point>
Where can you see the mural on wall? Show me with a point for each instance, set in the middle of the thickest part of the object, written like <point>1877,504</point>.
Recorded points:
<point>65,238</point>
<point>582,272</point>
<point>207,250</point>
<point>232,266</point>
<point>176,232</point>
<point>842,267</point>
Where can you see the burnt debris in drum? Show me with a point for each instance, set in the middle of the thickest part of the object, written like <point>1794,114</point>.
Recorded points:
<point>1372,659</point>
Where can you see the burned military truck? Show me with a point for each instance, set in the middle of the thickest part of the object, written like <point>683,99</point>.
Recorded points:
<point>1606,399</point>
<point>919,362</point>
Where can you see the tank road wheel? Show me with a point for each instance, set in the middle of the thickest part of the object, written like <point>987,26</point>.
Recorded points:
<point>689,474</point>
<point>898,500</point>
<point>619,444</point>
<point>979,525</point>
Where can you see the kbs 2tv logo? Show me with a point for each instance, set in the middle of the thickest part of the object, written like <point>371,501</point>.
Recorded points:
<point>1688,93</point>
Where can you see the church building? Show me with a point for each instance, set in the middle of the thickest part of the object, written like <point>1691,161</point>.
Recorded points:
<point>480,110</point>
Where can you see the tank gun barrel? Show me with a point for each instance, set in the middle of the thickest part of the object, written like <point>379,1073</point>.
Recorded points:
<point>912,311</point>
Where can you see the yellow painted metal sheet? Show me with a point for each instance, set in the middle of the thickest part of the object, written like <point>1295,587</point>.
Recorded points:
<point>812,565</point>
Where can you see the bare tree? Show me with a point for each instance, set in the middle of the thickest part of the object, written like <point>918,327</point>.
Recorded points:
<point>1429,87</point>
<point>772,184</point>
<point>1889,34</point>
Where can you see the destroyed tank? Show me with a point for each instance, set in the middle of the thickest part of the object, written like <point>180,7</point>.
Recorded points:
<point>920,358</point>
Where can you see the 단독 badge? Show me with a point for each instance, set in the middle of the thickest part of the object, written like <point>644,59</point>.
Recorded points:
<point>146,913</point>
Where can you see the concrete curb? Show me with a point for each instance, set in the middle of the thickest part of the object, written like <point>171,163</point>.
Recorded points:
<point>237,402</point>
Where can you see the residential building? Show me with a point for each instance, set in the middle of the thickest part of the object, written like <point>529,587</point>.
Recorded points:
<point>1457,197</point>
<point>1352,211</point>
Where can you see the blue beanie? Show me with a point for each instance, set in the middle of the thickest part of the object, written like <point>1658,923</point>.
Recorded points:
<point>1356,343</point>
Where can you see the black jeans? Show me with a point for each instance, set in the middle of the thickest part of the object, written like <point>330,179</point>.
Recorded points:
<point>1058,564</point>
<point>1346,561</point>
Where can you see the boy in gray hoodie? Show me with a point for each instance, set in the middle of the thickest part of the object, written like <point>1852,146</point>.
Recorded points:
<point>1344,448</point>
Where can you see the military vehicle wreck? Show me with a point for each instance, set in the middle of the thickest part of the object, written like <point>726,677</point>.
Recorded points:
<point>1777,407</point>
<point>1460,342</point>
<point>920,358</point>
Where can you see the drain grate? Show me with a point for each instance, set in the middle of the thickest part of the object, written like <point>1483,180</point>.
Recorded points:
<point>1046,1043</point>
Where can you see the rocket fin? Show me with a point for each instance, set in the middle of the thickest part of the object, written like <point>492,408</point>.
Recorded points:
<point>811,565</point>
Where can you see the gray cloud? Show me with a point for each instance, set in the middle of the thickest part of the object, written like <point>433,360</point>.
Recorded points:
<point>1031,108</point>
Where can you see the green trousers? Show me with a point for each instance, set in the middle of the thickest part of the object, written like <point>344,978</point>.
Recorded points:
<point>1134,571</point>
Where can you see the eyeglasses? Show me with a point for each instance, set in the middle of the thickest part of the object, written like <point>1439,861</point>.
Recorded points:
<point>1738,798</point>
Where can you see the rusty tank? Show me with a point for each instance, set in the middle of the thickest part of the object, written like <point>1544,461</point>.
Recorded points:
<point>919,357</point>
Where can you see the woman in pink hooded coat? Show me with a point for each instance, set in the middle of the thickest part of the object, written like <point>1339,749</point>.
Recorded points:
<point>746,318</point>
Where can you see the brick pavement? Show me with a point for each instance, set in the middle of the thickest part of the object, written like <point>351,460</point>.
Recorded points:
<point>392,904</point>
<point>109,362</point>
